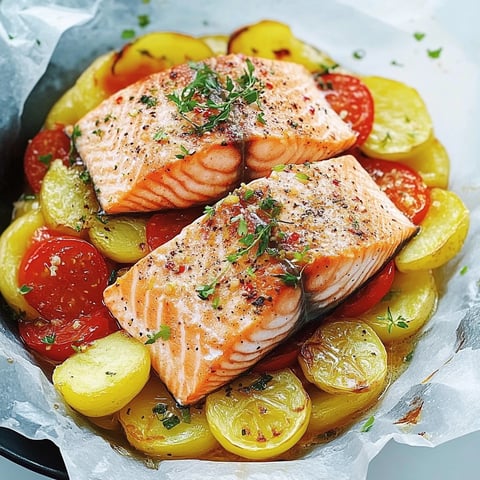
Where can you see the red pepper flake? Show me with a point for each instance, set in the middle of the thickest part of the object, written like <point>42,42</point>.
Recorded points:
<point>119,100</point>
<point>269,85</point>
<point>312,110</point>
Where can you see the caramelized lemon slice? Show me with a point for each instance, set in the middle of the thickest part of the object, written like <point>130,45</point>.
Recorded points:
<point>259,416</point>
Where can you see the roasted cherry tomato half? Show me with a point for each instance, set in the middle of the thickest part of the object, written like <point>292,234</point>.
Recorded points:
<point>46,146</point>
<point>58,339</point>
<point>351,99</point>
<point>403,185</point>
<point>368,295</point>
<point>162,227</point>
<point>63,278</point>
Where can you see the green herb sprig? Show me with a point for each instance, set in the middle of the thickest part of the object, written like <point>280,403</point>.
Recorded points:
<point>206,93</point>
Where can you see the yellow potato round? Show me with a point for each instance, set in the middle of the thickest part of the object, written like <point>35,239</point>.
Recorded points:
<point>442,234</point>
<point>344,356</point>
<point>122,239</point>
<point>406,308</point>
<point>68,202</point>
<point>272,39</point>
<point>83,96</point>
<point>259,416</point>
<point>432,163</point>
<point>105,377</point>
<point>402,124</point>
<point>14,242</point>
<point>218,43</point>
<point>156,425</point>
<point>152,53</point>
<point>333,411</point>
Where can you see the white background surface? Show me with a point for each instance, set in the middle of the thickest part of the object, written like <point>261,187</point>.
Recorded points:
<point>457,459</point>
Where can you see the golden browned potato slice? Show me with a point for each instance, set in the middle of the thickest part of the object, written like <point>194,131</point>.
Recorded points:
<point>272,39</point>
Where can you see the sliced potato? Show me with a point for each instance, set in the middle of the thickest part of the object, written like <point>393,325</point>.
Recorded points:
<point>83,96</point>
<point>402,124</point>
<point>68,202</point>
<point>333,411</point>
<point>14,242</point>
<point>432,163</point>
<point>106,376</point>
<point>259,416</point>
<point>151,53</point>
<point>344,356</point>
<point>408,306</point>
<point>272,39</point>
<point>442,234</point>
<point>122,239</point>
<point>155,424</point>
<point>218,43</point>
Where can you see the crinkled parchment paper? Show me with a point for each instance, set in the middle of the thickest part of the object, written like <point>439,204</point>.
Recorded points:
<point>443,375</point>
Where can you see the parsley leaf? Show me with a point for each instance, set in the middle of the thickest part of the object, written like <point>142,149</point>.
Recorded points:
<point>366,427</point>
<point>163,333</point>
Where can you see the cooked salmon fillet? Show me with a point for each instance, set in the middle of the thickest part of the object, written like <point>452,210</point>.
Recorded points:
<point>143,155</point>
<point>260,263</point>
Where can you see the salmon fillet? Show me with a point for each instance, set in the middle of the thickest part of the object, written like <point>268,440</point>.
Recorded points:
<point>259,264</point>
<point>143,155</point>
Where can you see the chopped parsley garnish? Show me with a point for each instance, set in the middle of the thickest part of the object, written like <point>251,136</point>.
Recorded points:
<point>45,159</point>
<point>419,36</point>
<point>24,289</point>
<point>290,279</point>
<point>204,291</point>
<point>258,385</point>
<point>358,54</point>
<point>163,333</point>
<point>168,419</point>
<point>213,97</point>
<point>366,427</point>
<point>464,270</point>
<point>76,132</point>
<point>128,33</point>
<point>209,211</point>
<point>160,135</point>
<point>143,20</point>
<point>434,53</point>
<point>148,100</point>
<point>49,339</point>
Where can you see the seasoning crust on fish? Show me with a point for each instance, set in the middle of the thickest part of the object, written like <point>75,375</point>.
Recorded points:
<point>272,255</point>
<point>144,154</point>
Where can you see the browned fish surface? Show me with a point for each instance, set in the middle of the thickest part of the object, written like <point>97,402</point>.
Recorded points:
<point>254,268</point>
<point>143,154</point>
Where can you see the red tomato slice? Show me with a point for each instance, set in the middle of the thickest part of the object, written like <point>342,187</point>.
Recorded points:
<point>368,295</point>
<point>66,277</point>
<point>403,185</point>
<point>58,339</point>
<point>46,146</point>
<point>162,227</point>
<point>352,100</point>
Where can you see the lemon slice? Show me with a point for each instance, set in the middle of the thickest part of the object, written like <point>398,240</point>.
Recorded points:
<point>259,416</point>
<point>344,356</point>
